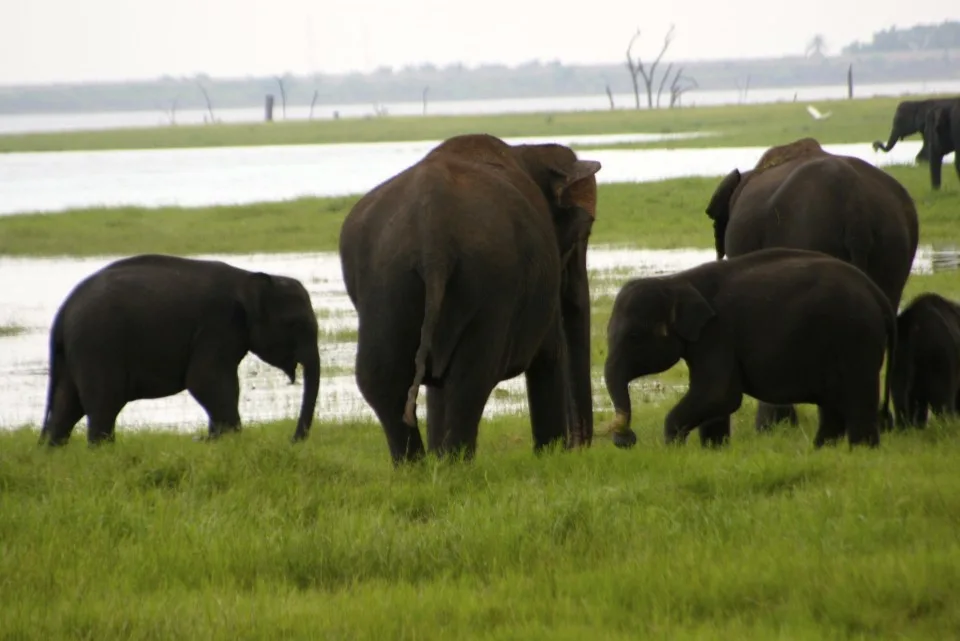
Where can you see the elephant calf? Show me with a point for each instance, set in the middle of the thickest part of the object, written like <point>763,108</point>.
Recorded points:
<point>150,326</point>
<point>782,325</point>
<point>927,360</point>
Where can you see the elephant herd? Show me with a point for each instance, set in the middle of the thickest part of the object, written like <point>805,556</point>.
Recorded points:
<point>938,123</point>
<point>469,268</point>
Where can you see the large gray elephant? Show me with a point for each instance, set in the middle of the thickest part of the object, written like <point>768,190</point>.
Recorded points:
<point>781,325</point>
<point>800,196</point>
<point>152,325</point>
<point>910,118</point>
<point>467,269</point>
<point>943,136</point>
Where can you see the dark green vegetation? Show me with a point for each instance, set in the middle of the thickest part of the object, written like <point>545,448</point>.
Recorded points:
<point>736,125</point>
<point>11,330</point>
<point>667,214</point>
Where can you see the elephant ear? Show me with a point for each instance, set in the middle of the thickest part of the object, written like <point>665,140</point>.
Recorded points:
<point>689,312</point>
<point>576,186</point>
<point>254,296</point>
<point>719,206</point>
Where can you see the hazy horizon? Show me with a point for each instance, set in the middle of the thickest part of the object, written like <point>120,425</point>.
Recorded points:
<point>50,41</point>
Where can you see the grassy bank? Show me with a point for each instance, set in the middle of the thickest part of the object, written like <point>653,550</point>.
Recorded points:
<point>160,537</point>
<point>666,214</point>
<point>765,124</point>
<point>11,330</point>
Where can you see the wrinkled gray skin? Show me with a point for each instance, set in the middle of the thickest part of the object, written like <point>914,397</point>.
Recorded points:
<point>467,269</point>
<point>152,325</point>
<point>839,205</point>
<point>926,375</point>
<point>781,325</point>
<point>911,118</point>
<point>943,136</point>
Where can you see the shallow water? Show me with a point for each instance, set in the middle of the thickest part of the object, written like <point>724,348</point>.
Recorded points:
<point>32,289</point>
<point>53,181</point>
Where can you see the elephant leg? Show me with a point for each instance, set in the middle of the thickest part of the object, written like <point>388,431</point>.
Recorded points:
<point>383,373</point>
<point>768,415</point>
<point>66,410</point>
<point>436,413</point>
<point>715,432</point>
<point>860,415</point>
<point>713,395</point>
<point>548,397</point>
<point>101,392</point>
<point>940,396</point>
<point>831,427</point>
<point>218,393</point>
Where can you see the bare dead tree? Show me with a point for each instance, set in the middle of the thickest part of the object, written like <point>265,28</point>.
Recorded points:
<point>206,98</point>
<point>283,96</point>
<point>742,91</point>
<point>423,98</point>
<point>680,85</point>
<point>172,111</point>
<point>663,81</point>
<point>636,67</point>
<point>610,97</point>
<point>316,92</point>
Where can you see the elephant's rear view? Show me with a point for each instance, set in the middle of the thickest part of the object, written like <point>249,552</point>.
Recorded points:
<point>800,196</point>
<point>466,269</point>
<point>152,325</point>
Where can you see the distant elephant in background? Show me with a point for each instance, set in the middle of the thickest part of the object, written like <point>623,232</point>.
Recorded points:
<point>910,118</point>
<point>943,135</point>
<point>466,269</point>
<point>153,325</point>
<point>800,196</point>
<point>927,362</point>
<point>781,325</point>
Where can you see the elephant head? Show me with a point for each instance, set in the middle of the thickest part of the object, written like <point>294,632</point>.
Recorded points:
<point>938,136</point>
<point>720,205</point>
<point>570,187</point>
<point>907,119</point>
<point>652,323</point>
<point>282,331</point>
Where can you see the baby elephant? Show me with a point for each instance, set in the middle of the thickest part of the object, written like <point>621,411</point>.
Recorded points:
<point>927,361</point>
<point>151,326</point>
<point>782,325</point>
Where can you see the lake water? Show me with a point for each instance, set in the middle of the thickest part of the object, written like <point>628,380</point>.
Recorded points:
<point>31,290</point>
<point>23,123</point>
<point>48,182</point>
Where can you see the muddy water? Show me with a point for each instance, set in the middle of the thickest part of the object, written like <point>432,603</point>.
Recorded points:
<point>31,290</point>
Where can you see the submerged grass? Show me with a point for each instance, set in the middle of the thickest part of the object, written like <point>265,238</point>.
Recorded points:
<point>665,214</point>
<point>160,537</point>
<point>857,120</point>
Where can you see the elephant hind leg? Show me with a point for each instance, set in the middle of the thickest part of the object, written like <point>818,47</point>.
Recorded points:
<point>383,375</point>
<point>831,427</point>
<point>769,415</point>
<point>66,410</point>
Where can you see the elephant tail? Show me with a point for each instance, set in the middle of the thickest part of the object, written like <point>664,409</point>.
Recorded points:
<point>57,357</point>
<point>435,281</point>
<point>890,320</point>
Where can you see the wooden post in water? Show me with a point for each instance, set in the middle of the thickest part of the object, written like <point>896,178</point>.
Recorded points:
<point>268,108</point>
<point>850,82</point>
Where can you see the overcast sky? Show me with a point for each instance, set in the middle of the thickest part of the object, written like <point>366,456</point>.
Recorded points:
<point>74,40</point>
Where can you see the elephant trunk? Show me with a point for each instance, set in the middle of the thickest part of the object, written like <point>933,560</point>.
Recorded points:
<point>311,387</point>
<point>577,332</point>
<point>617,377</point>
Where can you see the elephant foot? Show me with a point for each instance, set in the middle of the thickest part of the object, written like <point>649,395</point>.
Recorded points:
<point>625,439</point>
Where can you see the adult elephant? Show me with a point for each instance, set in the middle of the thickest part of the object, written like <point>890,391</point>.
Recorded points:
<point>466,269</point>
<point>803,197</point>
<point>943,135</point>
<point>911,118</point>
<point>153,325</point>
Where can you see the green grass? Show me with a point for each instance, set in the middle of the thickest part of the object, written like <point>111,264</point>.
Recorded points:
<point>665,214</point>
<point>766,124</point>
<point>160,537</point>
<point>11,329</point>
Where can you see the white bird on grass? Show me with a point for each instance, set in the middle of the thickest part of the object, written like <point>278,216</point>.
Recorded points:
<point>816,114</point>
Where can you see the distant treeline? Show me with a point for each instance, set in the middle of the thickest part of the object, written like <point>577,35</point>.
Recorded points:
<point>924,37</point>
<point>457,82</point>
